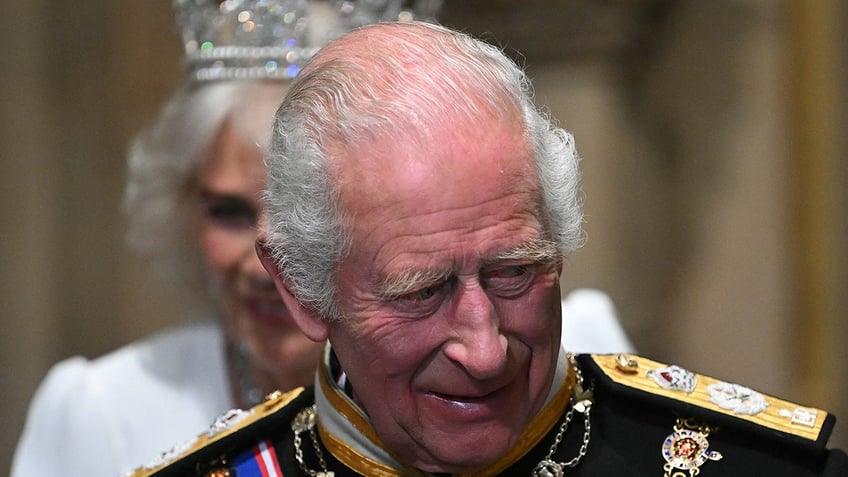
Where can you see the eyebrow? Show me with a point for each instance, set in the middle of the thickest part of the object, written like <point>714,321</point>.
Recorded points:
<point>210,193</point>
<point>537,251</point>
<point>407,280</point>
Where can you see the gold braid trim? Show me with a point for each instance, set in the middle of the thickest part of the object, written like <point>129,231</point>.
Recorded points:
<point>771,417</point>
<point>273,403</point>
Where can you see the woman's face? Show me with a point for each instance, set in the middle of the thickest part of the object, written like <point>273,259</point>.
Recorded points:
<point>230,184</point>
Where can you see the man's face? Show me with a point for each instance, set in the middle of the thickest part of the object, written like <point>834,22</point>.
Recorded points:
<point>450,296</point>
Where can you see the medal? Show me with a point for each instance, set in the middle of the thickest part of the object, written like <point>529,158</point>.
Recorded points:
<point>736,398</point>
<point>674,378</point>
<point>687,448</point>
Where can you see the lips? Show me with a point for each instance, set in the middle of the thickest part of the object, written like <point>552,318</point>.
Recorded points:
<point>467,403</point>
<point>473,406</point>
<point>459,398</point>
<point>273,313</point>
<point>475,395</point>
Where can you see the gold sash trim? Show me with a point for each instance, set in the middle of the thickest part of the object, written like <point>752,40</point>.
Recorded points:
<point>358,461</point>
<point>354,415</point>
<point>344,406</point>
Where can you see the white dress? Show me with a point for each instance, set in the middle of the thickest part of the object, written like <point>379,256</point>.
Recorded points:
<point>105,417</point>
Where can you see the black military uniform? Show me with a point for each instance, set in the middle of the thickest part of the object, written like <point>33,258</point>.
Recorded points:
<point>631,416</point>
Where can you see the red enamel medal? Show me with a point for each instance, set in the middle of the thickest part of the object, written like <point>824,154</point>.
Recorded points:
<point>687,448</point>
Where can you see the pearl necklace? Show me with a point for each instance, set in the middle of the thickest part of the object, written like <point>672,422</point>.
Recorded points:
<point>246,391</point>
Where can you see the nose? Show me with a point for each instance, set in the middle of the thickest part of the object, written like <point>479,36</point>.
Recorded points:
<point>477,343</point>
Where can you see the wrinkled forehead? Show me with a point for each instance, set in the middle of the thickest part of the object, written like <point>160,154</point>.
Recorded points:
<point>451,167</point>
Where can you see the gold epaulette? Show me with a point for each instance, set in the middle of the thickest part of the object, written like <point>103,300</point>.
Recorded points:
<point>229,423</point>
<point>740,402</point>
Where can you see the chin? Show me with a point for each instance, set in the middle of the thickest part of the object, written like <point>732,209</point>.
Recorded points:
<point>457,459</point>
<point>454,466</point>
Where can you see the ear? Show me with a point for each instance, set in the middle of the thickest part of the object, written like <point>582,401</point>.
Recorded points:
<point>306,318</point>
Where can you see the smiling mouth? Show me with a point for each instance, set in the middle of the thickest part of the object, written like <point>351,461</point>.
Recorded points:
<point>460,399</point>
<point>270,312</point>
<point>472,407</point>
<point>468,398</point>
<point>270,308</point>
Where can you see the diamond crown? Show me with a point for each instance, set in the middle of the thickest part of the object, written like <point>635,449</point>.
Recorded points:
<point>253,39</point>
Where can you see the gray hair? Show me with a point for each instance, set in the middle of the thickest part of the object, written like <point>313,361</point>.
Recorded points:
<point>391,80</point>
<point>162,167</point>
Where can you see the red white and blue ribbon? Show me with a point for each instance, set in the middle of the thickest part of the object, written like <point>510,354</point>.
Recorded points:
<point>260,461</point>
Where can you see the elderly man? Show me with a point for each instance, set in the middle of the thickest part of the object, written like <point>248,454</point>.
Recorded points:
<point>420,211</point>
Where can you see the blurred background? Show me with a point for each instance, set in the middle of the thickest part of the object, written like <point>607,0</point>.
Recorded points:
<point>713,137</point>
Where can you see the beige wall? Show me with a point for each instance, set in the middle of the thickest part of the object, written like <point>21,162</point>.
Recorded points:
<point>705,156</point>
<point>78,78</point>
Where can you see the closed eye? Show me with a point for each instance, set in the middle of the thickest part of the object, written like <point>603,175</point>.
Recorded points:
<point>423,301</point>
<point>510,280</point>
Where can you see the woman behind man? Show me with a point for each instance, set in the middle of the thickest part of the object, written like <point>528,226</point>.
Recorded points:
<point>195,179</point>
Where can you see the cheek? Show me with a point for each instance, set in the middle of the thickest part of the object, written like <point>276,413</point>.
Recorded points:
<point>222,249</point>
<point>383,349</point>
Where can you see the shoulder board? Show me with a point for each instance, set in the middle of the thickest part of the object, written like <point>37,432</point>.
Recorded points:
<point>800,423</point>
<point>223,431</point>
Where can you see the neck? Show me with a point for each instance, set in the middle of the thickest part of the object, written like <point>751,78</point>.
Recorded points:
<point>244,378</point>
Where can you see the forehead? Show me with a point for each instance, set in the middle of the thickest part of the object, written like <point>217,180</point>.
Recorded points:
<point>232,159</point>
<point>468,194</point>
<point>436,163</point>
<point>252,112</point>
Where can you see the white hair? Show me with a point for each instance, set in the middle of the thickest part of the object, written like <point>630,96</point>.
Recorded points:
<point>392,80</point>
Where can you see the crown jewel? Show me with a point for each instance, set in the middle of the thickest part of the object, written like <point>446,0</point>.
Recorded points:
<point>244,39</point>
